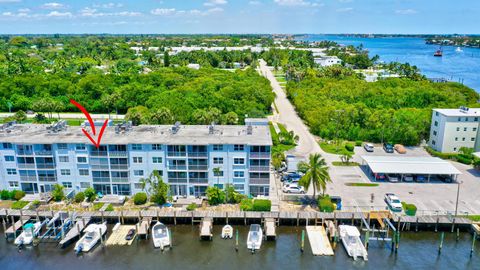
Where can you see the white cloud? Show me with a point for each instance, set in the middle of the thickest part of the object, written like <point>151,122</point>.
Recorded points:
<point>348,9</point>
<point>53,5</point>
<point>406,11</point>
<point>94,13</point>
<point>108,5</point>
<point>292,3</point>
<point>211,3</point>
<point>56,14</point>
<point>193,12</point>
<point>10,1</point>
<point>163,11</point>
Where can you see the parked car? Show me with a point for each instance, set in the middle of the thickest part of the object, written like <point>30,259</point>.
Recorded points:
<point>291,177</point>
<point>408,178</point>
<point>368,147</point>
<point>380,176</point>
<point>394,178</point>
<point>400,149</point>
<point>445,178</point>
<point>130,235</point>
<point>393,202</point>
<point>420,178</point>
<point>293,188</point>
<point>337,200</point>
<point>388,147</point>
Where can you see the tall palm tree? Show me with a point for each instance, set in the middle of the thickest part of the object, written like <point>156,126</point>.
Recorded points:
<point>316,174</point>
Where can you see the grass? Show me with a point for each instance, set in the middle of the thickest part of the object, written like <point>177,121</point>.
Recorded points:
<point>97,206</point>
<point>281,79</point>
<point>361,184</point>
<point>19,205</point>
<point>337,149</point>
<point>475,218</point>
<point>282,148</point>
<point>349,164</point>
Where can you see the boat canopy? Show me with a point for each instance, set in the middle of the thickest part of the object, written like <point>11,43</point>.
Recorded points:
<point>351,231</point>
<point>255,228</point>
<point>28,226</point>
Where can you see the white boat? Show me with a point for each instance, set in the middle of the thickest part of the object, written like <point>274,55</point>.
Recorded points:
<point>91,237</point>
<point>351,241</point>
<point>160,235</point>
<point>458,49</point>
<point>30,230</point>
<point>255,237</point>
<point>227,232</point>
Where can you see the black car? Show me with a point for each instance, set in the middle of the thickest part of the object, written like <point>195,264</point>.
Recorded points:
<point>130,235</point>
<point>388,147</point>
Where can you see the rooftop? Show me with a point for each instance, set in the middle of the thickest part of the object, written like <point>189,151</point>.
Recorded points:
<point>144,134</point>
<point>410,165</point>
<point>459,112</point>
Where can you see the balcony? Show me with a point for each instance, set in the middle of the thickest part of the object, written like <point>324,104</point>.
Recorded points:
<point>119,166</point>
<point>47,178</point>
<point>101,179</point>
<point>198,167</point>
<point>24,152</point>
<point>254,168</point>
<point>176,154</point>
<point>198,154</point>
<point>177,167</point>
<point>100,166</point>
<point>45,165</point>
<point>260,155</point>
<point>177,180</point>
<point>28,178</point>
<point>260,181</point>
<point>43,152</point>
<point>26,165</point>
<point>118,153</point>
<point>198,181</point>
<point>120,179</point>
<point>98,153</point>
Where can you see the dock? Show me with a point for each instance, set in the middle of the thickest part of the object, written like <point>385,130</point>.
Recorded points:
<point>143,227</point>
<point>75,231</point>
<point>206,226</point>
<point>118,236</point>
<point>380,216</point>
<point>12,230</point>
<point>317,236</point>
<point>270,228</point>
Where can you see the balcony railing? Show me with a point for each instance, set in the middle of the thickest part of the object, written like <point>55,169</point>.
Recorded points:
<point>178,167</point>
<point>259,168</point>
<point>43,152</point>
<point>177,154</point>
<point>26,165</point>
<point>100,167</point>
<point>198,180</point>
<point>119,166</point>
<point>260,181</point>
<point>259,154</point>
<point>101,179</point>
<point>198,154</point>
<point>177,180</point>
<point>120,179</point>
<point>198,167</point>
<point>25,152</point>
<point>45,165</point>
<point>47,178</point>
<point>28,178</point>
<point>98,153</point>
<point>118,153</point>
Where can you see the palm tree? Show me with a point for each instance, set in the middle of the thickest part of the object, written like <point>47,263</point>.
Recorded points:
<point>316,174</point>
<point>216,172</point>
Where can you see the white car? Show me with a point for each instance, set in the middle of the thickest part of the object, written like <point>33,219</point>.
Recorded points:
<point>394,178</point>
<point>393,202</point>
<point>408,178</point>
<point>368,147</point>
<point>293,189</point>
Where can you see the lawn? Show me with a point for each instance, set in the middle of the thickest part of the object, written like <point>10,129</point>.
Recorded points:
<point>349,164</point>
<point>361,184</point>
<point>334,148</point>
<point>475,218</point>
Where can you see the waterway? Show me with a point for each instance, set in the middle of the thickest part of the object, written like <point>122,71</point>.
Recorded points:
<point>461,66</point>
<point>416,251</point>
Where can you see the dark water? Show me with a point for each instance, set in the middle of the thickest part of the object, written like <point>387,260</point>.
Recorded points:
<point>457,66</point>
<point>417,251</point>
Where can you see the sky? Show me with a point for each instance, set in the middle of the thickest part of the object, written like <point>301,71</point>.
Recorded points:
<point>240,16</point>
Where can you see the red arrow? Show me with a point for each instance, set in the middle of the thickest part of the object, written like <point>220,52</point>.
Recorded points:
<point>92,124</point>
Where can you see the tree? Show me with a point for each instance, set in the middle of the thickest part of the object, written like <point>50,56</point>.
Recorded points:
<point>138,115</point>
<point>230,118</point>
<point>346,157</point>
<point>166,59</point>
<point>216,172</point>
<point>154,186</point>
<point>162,116</point>
<point>57,192</point>
<point>316,174</point>
<point>215,195</point>
<point>20,116</point>
<point>91,194</point>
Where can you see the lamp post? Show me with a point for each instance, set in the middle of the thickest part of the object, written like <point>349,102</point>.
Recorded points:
<point>458,195</point>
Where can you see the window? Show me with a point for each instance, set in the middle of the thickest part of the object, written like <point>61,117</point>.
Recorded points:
<point>459,119</point>
<point>136,147</point>
<point>138,186</point>
<point>138,172</point>
<point>217,160</point>
<point>65,172</point>
<point>218,147</point>
<point>80,146</point>
<point>157,147</point>
<point>436,113</point>
<point>219,173</point>
<point>433,142</point>
<point>466,119</point>
<point>434,133</point>
<point>11,171</point>
<point>63,158</point>
<point>475,119</point>
<point>238,161</point>
<point>464,129</point>
<point>157,159</point>
<point>458,129</point>
<point>436,123</point>
<point>454,149</point>
<point>239,174</point>
<point>456,138</point>
<point>238,147</point>
<point>473,139</point>
<point>239,187</point>
<point>13,184</point>
<point>7,146</point>
<point>82,159</point>
<point>9,158</point>
<point>83,172</point>
<point>62,146</point>
<point>463,139</point>
<point>84,184</point>
<point>67,184</point>
<point>137,160</point>
<point>474,129</point>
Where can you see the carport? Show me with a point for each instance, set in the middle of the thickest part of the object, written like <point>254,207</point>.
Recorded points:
<point>430,166</point>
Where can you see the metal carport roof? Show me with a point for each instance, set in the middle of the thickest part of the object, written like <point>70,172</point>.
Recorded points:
<point>410,165</point>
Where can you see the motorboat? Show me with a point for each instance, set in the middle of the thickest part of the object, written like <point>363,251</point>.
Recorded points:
<point>30,230</point>
<point>458,49</point>
<point>92,235</point>
<point>351,241</point>
<point>227,232</point>
<point>255,237</point>
<point>160,235</point>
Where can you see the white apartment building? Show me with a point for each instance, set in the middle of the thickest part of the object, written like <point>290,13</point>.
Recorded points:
<point>452,129</point>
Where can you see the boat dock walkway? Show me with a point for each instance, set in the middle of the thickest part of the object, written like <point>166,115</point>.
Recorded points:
<point>317,236</point>
<point>143,227</point>
<point>17,226</point>
<point>270,228</point>
<point>75,231</point>
<point>206,226</point>
<point>118,236</point>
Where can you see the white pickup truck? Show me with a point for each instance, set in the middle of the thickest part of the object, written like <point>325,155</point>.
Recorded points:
<point>393,202</point>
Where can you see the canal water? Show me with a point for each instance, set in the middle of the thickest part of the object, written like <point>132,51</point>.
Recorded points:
<point>460,66</point>
<point>416,251</point>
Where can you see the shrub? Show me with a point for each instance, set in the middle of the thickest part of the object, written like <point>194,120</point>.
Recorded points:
<point>109,208</point>
<point>358,143</point>
<point>246,204</point>
<point>18,194</point>
<point>215,195</point>
<point>97,206</point>
<point>409,208</point>
<point>140,198</point>
<point>440,154</point>
<point>79,197</point>
<point>233,195</point>
<point>191,207</point>
<point>261,205</point>
<point>57,192</point>
<point>349,147</point>
<point>19,205</point>
<point>90,194</point>
<point>5,195</point>
<point>35,204</point>
<point>463,159</point>
<point>325,205</point>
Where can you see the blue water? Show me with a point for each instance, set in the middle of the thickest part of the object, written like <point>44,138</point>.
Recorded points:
<point>456,66</point>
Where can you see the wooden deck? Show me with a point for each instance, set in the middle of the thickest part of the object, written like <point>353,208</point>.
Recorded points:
<point>144,226</point>
<point>118,236</point>
<point>317,236</point>
<point>206,226</point>
<point>269,228</point>
<point>17,225</point>
<point>75,231</point>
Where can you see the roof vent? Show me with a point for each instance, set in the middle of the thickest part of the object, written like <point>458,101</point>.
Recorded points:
<point>57,127</point>
<point>8,127</point>
<point>211,128</point>
<point>464,109</point>
<point>176,127</point>
<point>249,130</point>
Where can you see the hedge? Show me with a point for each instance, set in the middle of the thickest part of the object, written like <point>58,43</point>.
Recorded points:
<point>191,207</point>
<point>463,159</point>
<point>409,208</point>
<point>140,198</point>
<point>79,197</point>
<point>325,205</point>
<point>261,205</point>
<point>246,205</point>
<point>358,143</point>
<point>109,208</point>
<point>440,154</point>
<point>349,147</point>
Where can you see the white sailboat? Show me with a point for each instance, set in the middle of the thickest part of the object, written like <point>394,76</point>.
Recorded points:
<point>30,230</point>
<point>255,237</point>
<point>227,232</point>
<point>160,235</point>
<point>91,237</point>
<point>351,241</point>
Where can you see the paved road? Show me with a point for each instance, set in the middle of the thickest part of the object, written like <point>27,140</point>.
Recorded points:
<point>72,115</point>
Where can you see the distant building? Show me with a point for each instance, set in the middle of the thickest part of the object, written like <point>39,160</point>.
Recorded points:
<point>326,61</point>
<point>452,129</point>
<point>194,66</point>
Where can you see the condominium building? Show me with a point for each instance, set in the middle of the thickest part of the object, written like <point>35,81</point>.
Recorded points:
<point>453,129</point>
<point>35,157</point>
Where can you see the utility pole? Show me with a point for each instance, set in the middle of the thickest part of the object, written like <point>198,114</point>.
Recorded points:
<point>458,195</point>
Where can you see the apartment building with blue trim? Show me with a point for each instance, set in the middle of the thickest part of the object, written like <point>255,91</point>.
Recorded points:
<point>35,157</point>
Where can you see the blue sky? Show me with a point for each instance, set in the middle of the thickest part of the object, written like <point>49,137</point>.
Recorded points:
<point>240,16</point>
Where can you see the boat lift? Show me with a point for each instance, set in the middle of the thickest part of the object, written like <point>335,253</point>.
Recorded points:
<point>386,233</point>
<point>57,227</point>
